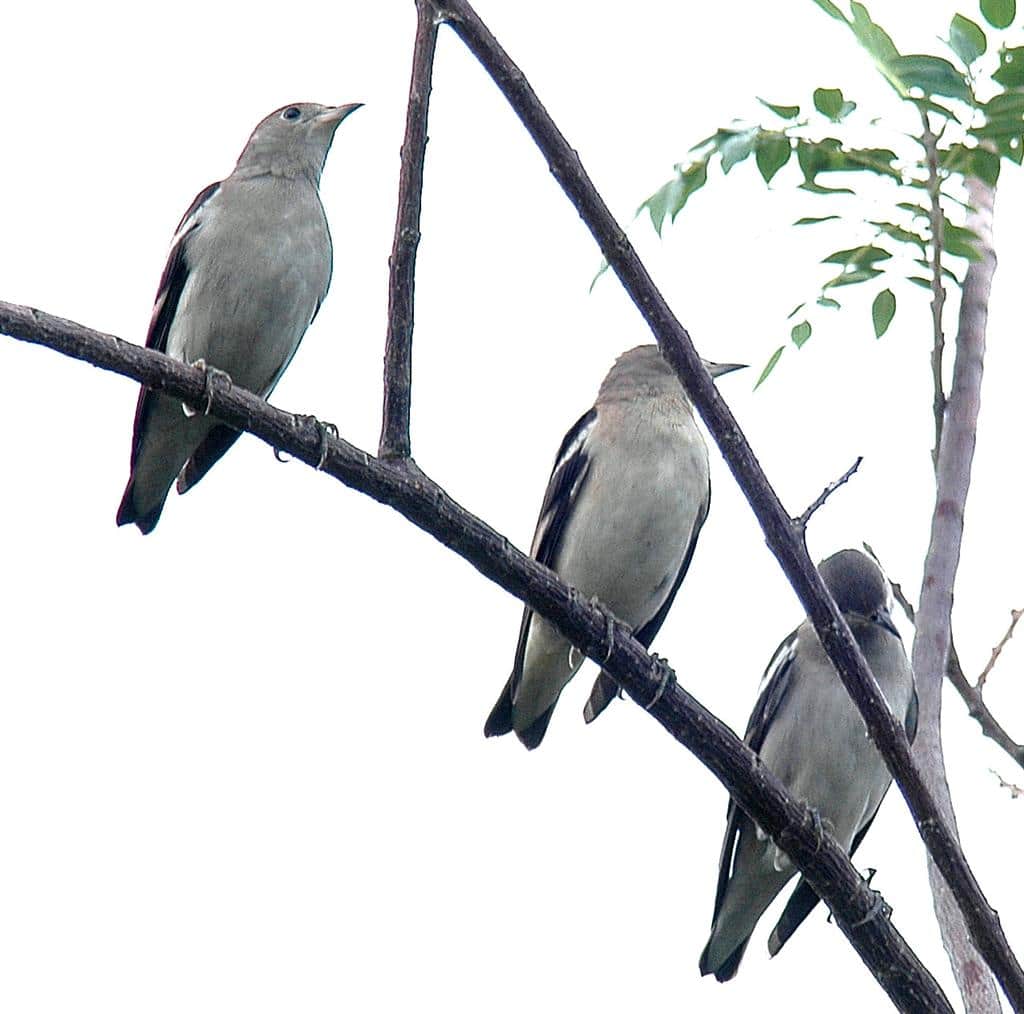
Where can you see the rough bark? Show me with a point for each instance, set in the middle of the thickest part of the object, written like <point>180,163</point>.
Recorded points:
<point>858,910</point>
<point>394,437</point>
<point>935,604</point>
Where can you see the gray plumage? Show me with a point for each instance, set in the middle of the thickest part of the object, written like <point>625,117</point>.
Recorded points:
<point>249,267</point>
<point>620,519</point>
<point>810,734</point>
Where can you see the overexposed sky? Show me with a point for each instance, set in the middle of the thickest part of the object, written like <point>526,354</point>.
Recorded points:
<point>241,760</point>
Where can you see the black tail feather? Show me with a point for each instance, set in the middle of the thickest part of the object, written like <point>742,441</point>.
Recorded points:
<point>800,905</point>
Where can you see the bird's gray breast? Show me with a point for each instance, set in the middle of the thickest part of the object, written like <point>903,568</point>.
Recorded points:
<point>259,267</point>
<point>645,493</point>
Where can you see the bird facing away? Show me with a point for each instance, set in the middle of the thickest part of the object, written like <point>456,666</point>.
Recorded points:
<point>810,734</point>
<point>620,519</point>
<point>248,270</point>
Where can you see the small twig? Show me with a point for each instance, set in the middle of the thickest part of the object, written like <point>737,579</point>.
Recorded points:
<point>971,696</point>
<point>1015,790</point>
<point>394,436</point>
<point>1015,615</point>
<point>801,522</point>
<point>930,143</point>
<point>979,710</point>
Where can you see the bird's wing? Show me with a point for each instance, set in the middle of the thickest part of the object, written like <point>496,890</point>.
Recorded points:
<point>172,281</point>
<point>776,684</point>
<point>572,464</point>
<point>605,688</point>
<point>172,284</point>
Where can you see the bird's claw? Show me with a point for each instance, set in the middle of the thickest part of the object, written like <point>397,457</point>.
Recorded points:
<point>210,375</point>
<point>879,907</point>
<point>325,429</point>
<point>668,677</point>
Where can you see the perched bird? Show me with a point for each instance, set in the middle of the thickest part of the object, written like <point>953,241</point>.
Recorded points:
<point>248,270</point>
<point>810,734</point>
<point>620,519</point>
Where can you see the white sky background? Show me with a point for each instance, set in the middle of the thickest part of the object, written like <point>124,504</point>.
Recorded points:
<point>241,760</point>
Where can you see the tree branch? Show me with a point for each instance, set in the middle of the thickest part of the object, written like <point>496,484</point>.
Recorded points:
<point>827,492</point>
<point>402,486</point>
<point>976,706</point>
<point>1015,615</point>
<point>935,603</point>
<point>979,710</point>
<point>781,533</point>
<point>394,437</point>
<point>930,144</point>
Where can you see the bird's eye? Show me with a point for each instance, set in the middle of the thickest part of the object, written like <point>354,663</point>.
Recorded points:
<point>291,113</point>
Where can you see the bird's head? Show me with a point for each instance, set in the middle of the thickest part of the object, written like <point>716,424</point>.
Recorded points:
<point>293,140</point>
<point>859,587</point>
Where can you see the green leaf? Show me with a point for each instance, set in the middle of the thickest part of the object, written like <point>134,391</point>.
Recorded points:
<point>858,256</point>
<point>925,283</point>
<point>1004,104</point>
<point>829,304</point>
<point>872,37</point>
<point>672,197</point>
<point>600,271</point>
<point>959,241</point>
<point>998,13</point>
<point>917,210</point>
<point>815,221</point>
<point>737,147</point>
<point>897,232</point>
<point>800,334</point>
<point>828,101</point>
<point>1011,67</point>
<point>831,10</point>
<point>853,277</point>
<point>770,365</point>
<point>786,112</point>
<point>933,75</point>
<point>883,309</point>
<point>966,39</point>
<point>773,151</point>
<point>796,309</point>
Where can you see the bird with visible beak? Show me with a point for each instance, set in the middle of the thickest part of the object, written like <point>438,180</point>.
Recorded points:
<point>249,267</point>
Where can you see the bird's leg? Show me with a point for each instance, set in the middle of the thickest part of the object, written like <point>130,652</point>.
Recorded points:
<point>668,677</point>
<point>210,374</point>
<point>611,637</point>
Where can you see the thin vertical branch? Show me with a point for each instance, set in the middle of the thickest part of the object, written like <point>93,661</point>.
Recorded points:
<point>930,143</point>
<point>394,436</point>
<point>932,630</point>
<point>781,531</point>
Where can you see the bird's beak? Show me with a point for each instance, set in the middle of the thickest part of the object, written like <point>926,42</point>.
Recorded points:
<point>721,369</point>
<point>335,114</point>
<point>884,620</point>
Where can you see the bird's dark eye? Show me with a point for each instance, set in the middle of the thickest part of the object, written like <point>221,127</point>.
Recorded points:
<point>291,113</point>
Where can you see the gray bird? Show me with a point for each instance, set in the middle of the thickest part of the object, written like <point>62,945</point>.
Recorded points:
<point>810,734</point>
<point>248,270</point>
<point>620,519</point>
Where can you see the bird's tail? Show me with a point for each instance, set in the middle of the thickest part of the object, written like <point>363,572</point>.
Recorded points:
<point>128,513</point>
<point>725,968</point>
<point>501,720</point>
<point>605,691</point>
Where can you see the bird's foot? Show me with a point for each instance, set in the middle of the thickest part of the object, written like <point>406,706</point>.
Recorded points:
<point>210,375</point>
<point>668,677</point>
<point>879,907</point>
<point>325,429</point>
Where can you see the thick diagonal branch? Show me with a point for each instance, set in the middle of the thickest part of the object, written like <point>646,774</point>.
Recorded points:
<point>781,533</point>
<point>395,441</point>
<point>402,486</point>
<point>935,604</point>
